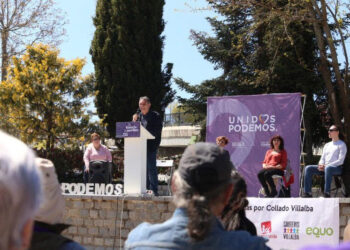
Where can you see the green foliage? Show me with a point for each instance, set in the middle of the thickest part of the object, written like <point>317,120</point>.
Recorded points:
<point>127,53</point>
<point>257,53</point>
<point>42,100</point>
<point>68,163</point>
<point>180,114</point>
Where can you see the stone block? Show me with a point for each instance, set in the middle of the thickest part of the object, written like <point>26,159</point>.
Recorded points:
<point>84,213</point>
<point>100,248</point>
<point>97,204</point>
<point>113,232</point>
<point>94,214</point>
<point>93,231</point>
<point>109,223</point>
<point>82,230</point>
<point>72,230</point>
<point>78,204</point>
<point>106,205</point>
<point>104,232</point>
<point>98,223</point>
<point>162,207</point>
<point>88,204</point>
<point>119,244</point>
<point>124,233</point>
<point>108,242</point>
<point>151,206</point>
<point>133,215</point>
<point>345,211</point>
<point>88,222</point>
<point>155,216</point>
<point>124,215</point>
<point>102,214</point>
<point>98,241</point>
<point>68,220</point>
<point>342,220</point>
<point>129,224</point>
<point>69,204</point>
<point>111,214</point>
<point>130,205</point>
<point>74,212</point>
<point>87,240</point>
<point>78,221</point>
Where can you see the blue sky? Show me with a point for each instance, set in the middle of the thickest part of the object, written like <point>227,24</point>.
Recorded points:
<point>178,48</point>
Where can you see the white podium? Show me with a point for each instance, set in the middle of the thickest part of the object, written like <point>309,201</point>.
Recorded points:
<point>135,162</point>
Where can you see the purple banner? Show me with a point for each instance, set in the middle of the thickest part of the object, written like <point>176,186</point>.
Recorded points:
<point>128,129</point>
<point>249,122</point>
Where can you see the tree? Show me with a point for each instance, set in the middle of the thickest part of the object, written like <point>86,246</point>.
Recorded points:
<point>330,21</point>
<point>24,22</point>
<point>127,53</point>
<point>179,115</point>
<point>43,97</point>
<point>257,54</point>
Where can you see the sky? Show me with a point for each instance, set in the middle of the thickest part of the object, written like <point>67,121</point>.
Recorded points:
<point>180,17</point>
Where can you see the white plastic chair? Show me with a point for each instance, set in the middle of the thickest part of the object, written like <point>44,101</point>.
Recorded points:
<point>167,164</point>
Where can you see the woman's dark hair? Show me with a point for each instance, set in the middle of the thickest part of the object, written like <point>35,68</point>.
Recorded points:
<point>234,211</point>
<point>200,218</point>
<point>278,137</point>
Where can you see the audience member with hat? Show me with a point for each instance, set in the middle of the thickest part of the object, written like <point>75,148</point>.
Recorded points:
<point>202,187</point>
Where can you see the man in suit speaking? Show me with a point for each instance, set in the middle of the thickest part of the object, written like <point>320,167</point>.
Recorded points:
<point>151,121</point>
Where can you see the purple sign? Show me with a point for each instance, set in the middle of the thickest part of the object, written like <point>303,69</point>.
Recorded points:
<point>128,129</point>
<point>249,122</point>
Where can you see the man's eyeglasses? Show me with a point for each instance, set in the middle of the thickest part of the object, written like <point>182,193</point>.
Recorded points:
<point>95,139</point>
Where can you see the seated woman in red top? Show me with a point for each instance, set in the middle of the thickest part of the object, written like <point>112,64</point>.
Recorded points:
<point>274,163</point>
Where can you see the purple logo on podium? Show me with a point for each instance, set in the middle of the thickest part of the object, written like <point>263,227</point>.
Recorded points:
<point>128,129</point>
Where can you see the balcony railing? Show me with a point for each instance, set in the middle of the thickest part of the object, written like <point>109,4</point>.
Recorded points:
<point>177,119</point>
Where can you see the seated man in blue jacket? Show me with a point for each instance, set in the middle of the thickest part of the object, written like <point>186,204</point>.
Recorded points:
<point>202,186</point>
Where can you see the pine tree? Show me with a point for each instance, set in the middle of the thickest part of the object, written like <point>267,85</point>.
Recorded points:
<point>127,53</point>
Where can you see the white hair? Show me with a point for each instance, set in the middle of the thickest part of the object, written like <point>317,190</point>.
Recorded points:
<point>146,98</point>
<point>20,190</point>
<point>183,192</point>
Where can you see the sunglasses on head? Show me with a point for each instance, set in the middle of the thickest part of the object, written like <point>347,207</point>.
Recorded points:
<point>331,130</point>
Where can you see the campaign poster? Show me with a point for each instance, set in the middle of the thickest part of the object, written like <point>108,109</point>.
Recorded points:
<point>249,122</point>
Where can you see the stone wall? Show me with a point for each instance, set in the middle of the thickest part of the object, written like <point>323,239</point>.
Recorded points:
<point>105,222</point>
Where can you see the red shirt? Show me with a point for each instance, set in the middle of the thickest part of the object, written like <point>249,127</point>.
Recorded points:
<point>274,158</point>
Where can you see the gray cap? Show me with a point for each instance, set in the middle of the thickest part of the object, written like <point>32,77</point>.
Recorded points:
<point>205,166</point>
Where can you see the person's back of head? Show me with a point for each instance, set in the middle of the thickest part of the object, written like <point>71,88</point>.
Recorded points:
<point>235,209</point>
<point>20,192</point>
<point>49,218</point>
<point>52,205</point>
<point>202,185</point>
